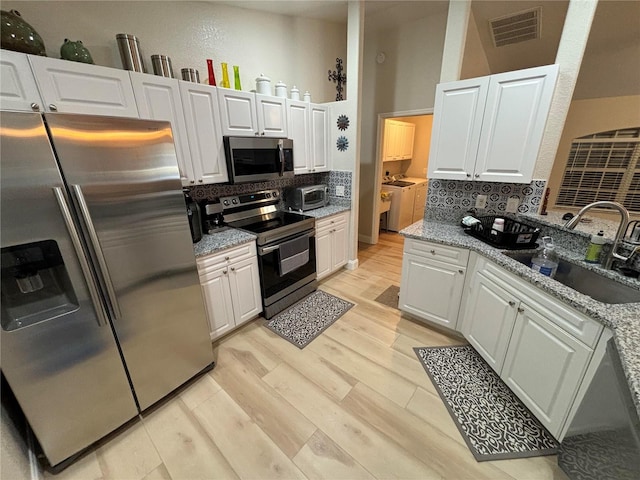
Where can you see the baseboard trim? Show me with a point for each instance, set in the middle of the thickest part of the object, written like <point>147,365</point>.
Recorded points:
<point>351,264</point>
<point>365,239</point>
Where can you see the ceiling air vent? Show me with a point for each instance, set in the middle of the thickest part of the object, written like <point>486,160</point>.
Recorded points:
<point>516,27</point>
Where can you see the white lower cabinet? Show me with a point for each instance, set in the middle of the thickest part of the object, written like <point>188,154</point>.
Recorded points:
<point>230,284</point>
<point>432,281</point>
<point>539,346</point>
<point>331,244</point>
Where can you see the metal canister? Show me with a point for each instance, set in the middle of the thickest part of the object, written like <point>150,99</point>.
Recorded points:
<point>162,66</point>
<point>129,47</point>
<point>190,75</point>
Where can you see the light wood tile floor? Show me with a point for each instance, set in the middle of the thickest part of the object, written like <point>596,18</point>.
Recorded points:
<point>354,404</point>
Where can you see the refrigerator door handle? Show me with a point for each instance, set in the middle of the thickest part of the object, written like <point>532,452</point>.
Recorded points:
<point>84,264</point>
<point>93,238</point>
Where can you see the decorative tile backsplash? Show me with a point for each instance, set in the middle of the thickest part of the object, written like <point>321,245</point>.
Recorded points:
<point>450,200</point>
<point>332,179</point>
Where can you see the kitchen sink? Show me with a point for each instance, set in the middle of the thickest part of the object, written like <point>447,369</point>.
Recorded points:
<point>588,282</point>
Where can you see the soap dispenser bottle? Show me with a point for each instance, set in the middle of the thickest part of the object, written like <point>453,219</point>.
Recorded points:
<point>595,248</point>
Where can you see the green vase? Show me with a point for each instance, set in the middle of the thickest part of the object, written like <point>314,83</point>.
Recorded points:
<point>236,77</point>
<point>18,35</point>
<point>75,51</point>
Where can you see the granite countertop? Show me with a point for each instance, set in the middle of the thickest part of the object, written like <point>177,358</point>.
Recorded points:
<point>227,237</point>
<point>622,319</point>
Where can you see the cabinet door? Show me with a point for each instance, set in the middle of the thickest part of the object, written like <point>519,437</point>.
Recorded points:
<point>272,116</point>
<point>419,202</point>
<point>158,98</point>
<point>406,145</point>
<point>431,290</point>
<point>18,89</point>
<point>405,214</point>
<point>544,367</point>
<point>238,113</point>
<point>391,141</point>
<point>73,87</point>
<point>299,132</point>
<point>514,119</point>
<point>339,246</point>
<point>319,138</point>
<point>217,301</point>
<point>490,314</point>
<point>324,252</point>
<point>244,281</point>
<point>201,111</point>
<point>457,123</point>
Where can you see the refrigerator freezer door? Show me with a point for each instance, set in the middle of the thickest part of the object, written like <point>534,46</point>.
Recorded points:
<point>58,354</point>
<point>124,179</point>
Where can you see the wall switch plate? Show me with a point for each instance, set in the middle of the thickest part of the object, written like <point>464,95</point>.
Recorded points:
<point>339,190</point>
<point>481,201</point>
<point>512,205</point>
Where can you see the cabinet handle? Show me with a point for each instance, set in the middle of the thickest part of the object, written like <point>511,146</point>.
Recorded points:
<point>477,175</point>
<point>520,310</point>
<point>257,134</point>
<point>468,175</point>
<point>224,271</point>
<point>262,134</point>
<point>460,271</point>
<point>192,181</point>
<point>200,180</point>
<point>512,303</point>
<point>233,269</point>
<point>433,252</point>
<point>226,258</point>
<point>53,108</point>
<point>35,107</point>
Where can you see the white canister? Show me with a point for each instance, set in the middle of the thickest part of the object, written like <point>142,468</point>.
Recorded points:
<point>281,89</point>
<point>263,85</point>
<point>307,96</point>
<point>295,93</point>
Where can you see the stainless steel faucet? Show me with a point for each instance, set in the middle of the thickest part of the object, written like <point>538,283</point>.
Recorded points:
<point>624,221</point>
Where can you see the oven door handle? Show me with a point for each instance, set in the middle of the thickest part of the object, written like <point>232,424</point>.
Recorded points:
<point>265,250</point>
<point>281,155</point>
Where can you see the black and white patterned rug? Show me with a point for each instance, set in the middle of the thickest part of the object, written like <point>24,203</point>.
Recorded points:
<point>492,420</point>
<point>305,320</point>
<point>389,297</point>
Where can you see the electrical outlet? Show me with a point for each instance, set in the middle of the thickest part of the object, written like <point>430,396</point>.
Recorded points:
<point>512,205</point>
<point>481,201</point>
<point>339,190</point>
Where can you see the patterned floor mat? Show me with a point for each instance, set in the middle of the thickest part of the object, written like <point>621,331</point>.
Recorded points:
<point>492,420</point>
<point>308,318</point>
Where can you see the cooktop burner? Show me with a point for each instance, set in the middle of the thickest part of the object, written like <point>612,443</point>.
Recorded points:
<point>269,221</point>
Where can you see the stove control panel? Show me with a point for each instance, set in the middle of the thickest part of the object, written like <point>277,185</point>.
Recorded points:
<point>266,197</point>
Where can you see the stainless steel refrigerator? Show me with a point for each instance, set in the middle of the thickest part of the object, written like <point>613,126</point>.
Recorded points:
<point>102,312</point>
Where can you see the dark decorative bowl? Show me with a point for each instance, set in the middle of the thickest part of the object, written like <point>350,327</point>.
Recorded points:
<point>18,35</point>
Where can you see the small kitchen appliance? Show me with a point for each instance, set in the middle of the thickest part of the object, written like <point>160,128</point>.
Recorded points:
<point>306,198</point>
<point>286,247</point>
<point>212,217</point>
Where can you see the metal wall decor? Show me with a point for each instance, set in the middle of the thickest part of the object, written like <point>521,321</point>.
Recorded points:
<point>343,122</point>
<point>339,78</point>
<point>342,143</point>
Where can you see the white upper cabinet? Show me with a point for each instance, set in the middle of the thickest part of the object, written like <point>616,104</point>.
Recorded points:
<point>490,128</point>
<point>398,140</point>
<point>158,98</point>
<point>72,87</point>
<point>308,127</point>
<point>202,117</point>
<point>319,138</point>
<point>18,89</point>
<point>246,114</point>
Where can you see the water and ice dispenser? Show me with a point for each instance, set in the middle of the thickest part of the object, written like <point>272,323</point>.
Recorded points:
<point>35,284</point>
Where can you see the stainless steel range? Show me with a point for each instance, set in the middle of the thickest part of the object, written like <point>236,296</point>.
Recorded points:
<point>286,247</point>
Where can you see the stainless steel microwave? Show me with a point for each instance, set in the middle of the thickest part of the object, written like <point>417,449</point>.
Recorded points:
<point>252,159</point>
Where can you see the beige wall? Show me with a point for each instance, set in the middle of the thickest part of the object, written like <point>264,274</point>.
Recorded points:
<point>295,50</point>
<point>474,63</point>
<point>405,81</point>
<point>591,116</point>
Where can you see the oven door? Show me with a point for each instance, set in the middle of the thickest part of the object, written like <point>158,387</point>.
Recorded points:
<point>258,159</point>
<point>282,274</point>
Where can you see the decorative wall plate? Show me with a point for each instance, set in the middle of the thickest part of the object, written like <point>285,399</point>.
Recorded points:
<point>343,122</point>
<point>342,143</point>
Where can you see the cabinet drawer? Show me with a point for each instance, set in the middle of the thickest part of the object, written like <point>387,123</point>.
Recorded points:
<point>331,222</point>
<point>442,253</point>
<point>214,261</point>
<point>567,318</point>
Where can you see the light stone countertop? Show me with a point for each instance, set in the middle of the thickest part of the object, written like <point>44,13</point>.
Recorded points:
<point>622,319</point>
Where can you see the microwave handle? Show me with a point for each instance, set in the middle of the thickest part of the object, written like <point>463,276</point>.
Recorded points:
<point>281,155</point>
